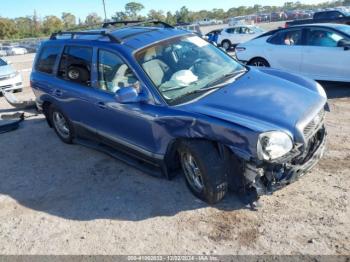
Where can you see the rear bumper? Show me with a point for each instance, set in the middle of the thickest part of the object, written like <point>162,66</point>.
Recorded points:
<point>271,177</point>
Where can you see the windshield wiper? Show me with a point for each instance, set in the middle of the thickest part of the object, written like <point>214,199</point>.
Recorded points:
<point>217,83</point>
<point>226,76</point>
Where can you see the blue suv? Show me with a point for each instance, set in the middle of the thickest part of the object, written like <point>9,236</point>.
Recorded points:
<point>166,101</point>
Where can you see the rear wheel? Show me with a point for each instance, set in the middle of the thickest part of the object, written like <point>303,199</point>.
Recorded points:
<point>226,44</point>
<point>204,170</point>
<point>259,62</point>
<point>62,125</point>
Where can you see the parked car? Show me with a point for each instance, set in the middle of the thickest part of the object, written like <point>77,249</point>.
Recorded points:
<point>12,50</point>
<point>2,52</point>
<point>233,36</point>
<point>172,101</point>
<point>318,51</point>
<point>192,28</point>
<point>10,79</point>
<point>332,16</point>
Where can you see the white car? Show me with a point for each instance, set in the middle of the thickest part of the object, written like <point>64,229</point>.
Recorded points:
<point>12,50</point>
<point>10,79</point>
<point>235,35</point>
<point>317,51</point>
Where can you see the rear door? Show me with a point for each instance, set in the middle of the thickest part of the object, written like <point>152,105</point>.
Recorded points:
<point>322,58</point>
<point>284,50</point>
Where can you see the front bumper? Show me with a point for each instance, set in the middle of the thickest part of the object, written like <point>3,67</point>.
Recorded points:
<point>267,178</point>
<point>12,84</point>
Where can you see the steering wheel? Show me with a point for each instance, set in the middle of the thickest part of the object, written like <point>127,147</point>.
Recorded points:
<point>196,67</point>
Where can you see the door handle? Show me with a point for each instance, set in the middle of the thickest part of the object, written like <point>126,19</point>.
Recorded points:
<point>58,92</point>
<point>101,105</point>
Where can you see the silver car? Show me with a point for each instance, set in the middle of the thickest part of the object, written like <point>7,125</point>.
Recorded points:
<point>10,79</point>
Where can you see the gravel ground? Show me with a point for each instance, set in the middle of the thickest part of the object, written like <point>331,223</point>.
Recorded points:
<point>68,199</point>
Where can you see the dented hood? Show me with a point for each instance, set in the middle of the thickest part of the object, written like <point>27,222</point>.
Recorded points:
<point>260,101</point>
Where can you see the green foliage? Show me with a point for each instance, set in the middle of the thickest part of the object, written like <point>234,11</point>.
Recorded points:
<point>52,24</point>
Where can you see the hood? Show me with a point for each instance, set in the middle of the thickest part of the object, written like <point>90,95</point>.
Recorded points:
<point>261,102</point>
<point>6,70</point>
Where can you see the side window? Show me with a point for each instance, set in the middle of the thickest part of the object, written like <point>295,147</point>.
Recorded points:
<point>113,73</point>
<point>323,37</point>
<point>75,65</point>
<point>290,38</point>
<point>231,30</point>
<point>47,59</point>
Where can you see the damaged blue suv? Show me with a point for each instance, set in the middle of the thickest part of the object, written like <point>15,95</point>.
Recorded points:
<point>168,102</point>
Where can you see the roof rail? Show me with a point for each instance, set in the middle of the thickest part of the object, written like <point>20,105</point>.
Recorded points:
<point>136,23</point>
<point>111,37</point>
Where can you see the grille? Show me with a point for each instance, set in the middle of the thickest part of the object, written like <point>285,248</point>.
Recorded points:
<point>310,128</point>
<point>5,77</point>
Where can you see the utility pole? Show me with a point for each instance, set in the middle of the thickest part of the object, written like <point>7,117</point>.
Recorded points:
<point>104,8</point>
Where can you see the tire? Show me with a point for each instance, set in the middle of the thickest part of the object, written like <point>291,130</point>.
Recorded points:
<point>77,74</point>
<point>61,125</point>
<point>205,171</point>
<point>259,62</point>
<point>226,44</point>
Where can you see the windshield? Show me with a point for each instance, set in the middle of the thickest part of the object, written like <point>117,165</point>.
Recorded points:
<point>258,29</point>
<point>2,62</point>
<point>184,68</point>
<point>344,28</point>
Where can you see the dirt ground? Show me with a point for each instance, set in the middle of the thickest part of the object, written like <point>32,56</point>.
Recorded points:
<point>68,199</point>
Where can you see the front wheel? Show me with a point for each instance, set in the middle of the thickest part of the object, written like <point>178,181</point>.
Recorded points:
<point>226,44</point>
<point>204,170</point>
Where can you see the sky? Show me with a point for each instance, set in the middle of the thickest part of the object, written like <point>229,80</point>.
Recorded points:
<point>81,8</point>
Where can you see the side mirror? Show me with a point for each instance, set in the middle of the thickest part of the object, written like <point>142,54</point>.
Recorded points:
<point>126,95</point>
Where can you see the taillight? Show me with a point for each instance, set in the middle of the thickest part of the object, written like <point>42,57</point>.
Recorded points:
<point>240,49</point>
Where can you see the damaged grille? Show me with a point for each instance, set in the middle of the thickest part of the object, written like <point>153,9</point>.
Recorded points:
<point>311,127</point>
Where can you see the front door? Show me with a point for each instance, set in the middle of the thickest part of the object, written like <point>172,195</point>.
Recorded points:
<point>323,58</point>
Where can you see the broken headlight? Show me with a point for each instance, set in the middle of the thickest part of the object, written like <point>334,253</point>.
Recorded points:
<point>274,144</point>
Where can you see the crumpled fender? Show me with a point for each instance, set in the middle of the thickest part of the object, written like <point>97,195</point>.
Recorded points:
<point>239,139</point>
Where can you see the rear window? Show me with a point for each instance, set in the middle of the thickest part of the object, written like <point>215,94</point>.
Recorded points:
<point>76,65</point>
<point>47,59</point>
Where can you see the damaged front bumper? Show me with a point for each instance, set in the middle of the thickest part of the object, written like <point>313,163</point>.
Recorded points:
<point>268,177</point>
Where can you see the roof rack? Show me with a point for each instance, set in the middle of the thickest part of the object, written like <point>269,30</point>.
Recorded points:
<point>136,23</point>
<point>72,34</point>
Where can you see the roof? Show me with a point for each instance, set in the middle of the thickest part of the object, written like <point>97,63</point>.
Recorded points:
<point>135,36</point>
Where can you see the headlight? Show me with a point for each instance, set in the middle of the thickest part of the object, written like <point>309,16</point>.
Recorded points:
<point>274,144</point>
<point>14,74</point>
<point>321,91</point>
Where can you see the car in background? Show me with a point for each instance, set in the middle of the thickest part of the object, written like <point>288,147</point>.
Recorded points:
<point>212,36</point>
<point>15,50</point>
<point>10,79</point>
<point>317,51</point>
<point>235,35</point>
<point>163,99</point>
<point>330,16</point>
<point>192,28</point>
<point>2,52</point>
<point>208,21</point>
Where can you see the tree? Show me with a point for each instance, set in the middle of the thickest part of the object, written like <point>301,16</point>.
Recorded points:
<point>132,9</point>
<point>52,24</point>
<point>68,20</point>
<point>93,19</point>
<point>170,19</point>
<point>120,16</point>
<point>7,28</point>
<point>157,15</point>
<point>24,26</point>
<point>182,16</point>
